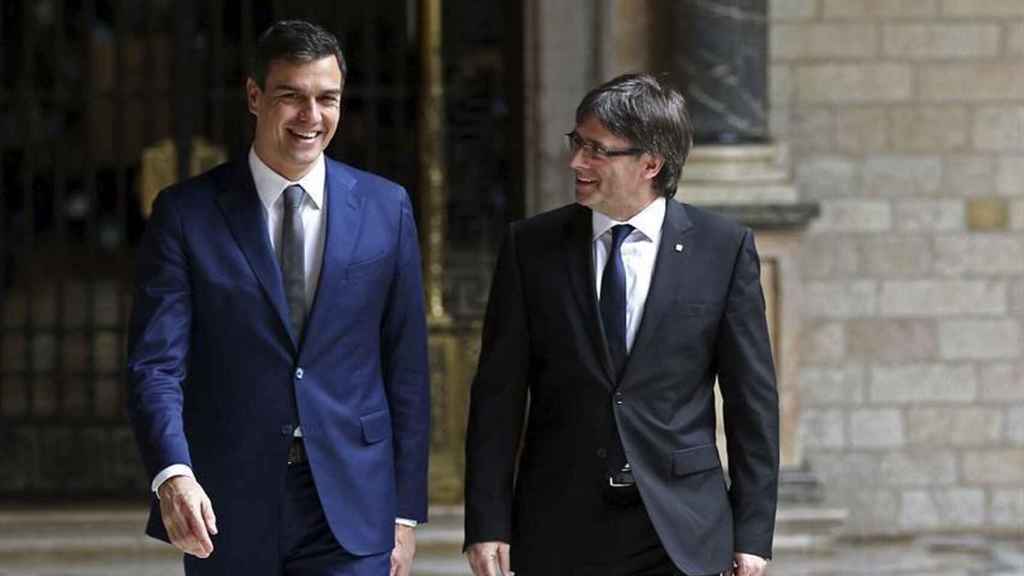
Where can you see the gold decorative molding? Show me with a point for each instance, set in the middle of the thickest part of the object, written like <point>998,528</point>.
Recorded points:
<point>160,167</point>
<point>454,350</point>
<point>432,176</point>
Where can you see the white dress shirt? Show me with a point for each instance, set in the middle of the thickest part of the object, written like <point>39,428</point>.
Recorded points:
<point>270,186</point>
<point>639,252</point>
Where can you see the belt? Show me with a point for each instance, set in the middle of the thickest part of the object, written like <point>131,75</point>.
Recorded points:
<point>622,479</point>
<point>621,490</point>
<point>297,452</point>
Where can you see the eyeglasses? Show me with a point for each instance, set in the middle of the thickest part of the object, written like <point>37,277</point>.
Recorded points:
<point>594,150</point>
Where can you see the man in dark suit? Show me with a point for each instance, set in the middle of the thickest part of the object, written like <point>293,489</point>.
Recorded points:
<point>277,358</point>
<point>612,318</point>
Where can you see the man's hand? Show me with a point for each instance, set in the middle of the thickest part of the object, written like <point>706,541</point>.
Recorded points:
<point>489,559</point>
<point>747,565</point>
<point>188,515</point>
<point>405,549</point>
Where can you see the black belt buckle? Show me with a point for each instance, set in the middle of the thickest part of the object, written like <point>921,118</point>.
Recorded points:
<point>296,452</point>
<point>622,479</point>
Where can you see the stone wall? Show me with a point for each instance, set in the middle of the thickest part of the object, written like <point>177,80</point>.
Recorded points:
<point>906,122</point>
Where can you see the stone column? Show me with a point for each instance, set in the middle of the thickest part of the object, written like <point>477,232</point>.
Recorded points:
<point>560,66</point>
<point>719,54</point>
<point>572,46</point>
<point>719,58</point>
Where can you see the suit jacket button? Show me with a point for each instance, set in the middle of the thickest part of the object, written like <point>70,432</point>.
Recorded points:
<point>602,453</point>
<point>298,373</point>
<point>287,430</point>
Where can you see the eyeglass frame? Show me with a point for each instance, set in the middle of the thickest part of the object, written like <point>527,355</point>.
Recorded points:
<point>596,150</point>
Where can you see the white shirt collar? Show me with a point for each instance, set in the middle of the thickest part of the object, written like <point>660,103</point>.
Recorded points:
<point>648,221</point>
<point>270,185</point>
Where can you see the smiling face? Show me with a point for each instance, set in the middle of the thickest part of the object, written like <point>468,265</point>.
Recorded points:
<point>297,112</point>
<point>617,186</point>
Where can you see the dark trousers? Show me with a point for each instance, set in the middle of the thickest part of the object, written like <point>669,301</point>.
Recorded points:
<point>625,542</point>
<point>614,537</point>
<point>307,546</point>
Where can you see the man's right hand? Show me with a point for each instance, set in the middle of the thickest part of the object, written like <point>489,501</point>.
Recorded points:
<point>485,559</point>
<point>188,515</point>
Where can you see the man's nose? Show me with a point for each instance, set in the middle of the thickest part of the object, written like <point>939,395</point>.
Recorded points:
<point>309,110</point>
<point>577,159</point>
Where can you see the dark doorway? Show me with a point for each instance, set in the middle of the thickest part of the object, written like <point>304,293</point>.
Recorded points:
<point>103,101</point>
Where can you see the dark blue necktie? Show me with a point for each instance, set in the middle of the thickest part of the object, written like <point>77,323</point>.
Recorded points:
<point>613,299</point>
<point>613,316</point>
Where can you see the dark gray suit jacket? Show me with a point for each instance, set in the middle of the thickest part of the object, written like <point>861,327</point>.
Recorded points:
<point>543,344</point>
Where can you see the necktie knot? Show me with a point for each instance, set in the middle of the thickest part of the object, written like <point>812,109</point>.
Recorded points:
<point>293,196</point>
<point>619,234</point>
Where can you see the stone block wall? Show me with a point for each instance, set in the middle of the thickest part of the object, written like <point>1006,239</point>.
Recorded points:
<point>906,122</point>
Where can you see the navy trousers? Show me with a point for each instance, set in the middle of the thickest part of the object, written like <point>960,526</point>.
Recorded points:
<point>307,545</point>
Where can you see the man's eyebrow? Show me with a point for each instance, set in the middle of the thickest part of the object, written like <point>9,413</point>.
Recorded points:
<point>589,141</point>
<point>289,88</point>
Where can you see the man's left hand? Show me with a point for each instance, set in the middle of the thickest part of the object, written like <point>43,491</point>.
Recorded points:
<point>747,565</point>
<point>405,549</point>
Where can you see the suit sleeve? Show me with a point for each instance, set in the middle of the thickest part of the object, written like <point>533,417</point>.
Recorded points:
<point>406,377</point>
<point>497,404</point>
<point>751,406</point>
<point>158,342</point>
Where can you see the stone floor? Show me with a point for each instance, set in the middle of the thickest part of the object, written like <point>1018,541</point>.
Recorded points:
<point>108,542</point>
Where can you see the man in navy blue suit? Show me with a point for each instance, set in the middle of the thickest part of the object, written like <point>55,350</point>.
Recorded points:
<point>277,361</point>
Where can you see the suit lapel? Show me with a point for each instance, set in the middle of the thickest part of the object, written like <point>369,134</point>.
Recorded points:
<point>243,211</point>
<point>343,201</point>
<point>670,268</point>
<point>579,240</point>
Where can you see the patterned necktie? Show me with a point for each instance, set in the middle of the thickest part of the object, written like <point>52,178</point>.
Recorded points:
<point>613,299</point>
<point>293,257</point>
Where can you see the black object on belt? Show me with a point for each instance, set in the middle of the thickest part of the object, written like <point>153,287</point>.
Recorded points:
<point>622,479</point>
<point>297,452</point>
<point>621,488</point>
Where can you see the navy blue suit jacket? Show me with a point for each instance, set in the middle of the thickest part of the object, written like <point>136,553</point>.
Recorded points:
<point>212,363</point>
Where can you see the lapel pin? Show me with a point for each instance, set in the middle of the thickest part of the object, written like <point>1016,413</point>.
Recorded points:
<point>679,247</point>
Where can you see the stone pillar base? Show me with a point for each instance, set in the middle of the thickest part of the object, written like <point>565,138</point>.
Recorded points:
<point>808,529</point>
<point>804,524</point>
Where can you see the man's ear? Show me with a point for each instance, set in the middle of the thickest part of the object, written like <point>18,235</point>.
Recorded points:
<point>252,96</point>
<point>652,165</point>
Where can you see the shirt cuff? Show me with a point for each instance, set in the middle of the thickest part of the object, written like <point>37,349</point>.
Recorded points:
<point>168,473</point>
<point>406,522</point>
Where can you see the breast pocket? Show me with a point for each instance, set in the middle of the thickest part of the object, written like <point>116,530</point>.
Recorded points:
<point>696,309</point>
<point>375,267</point>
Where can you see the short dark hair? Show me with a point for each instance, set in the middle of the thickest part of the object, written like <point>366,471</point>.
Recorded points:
<point>293,41</point>
<point>650,115</point>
